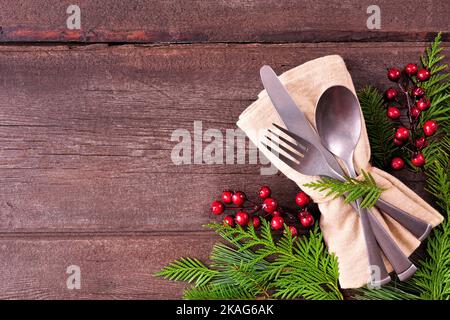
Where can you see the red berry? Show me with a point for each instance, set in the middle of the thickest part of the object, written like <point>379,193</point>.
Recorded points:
<point>229,220</point>
<point>270,205</point>
<point>423,104</point>
<point>238,198</point>
<point>421,143</point>
<point>397,163</point>
<point>415,112</point>
<point>402,134</point>
<point>393,113</point>
<point>398,142</point>
<point>417,91</point>
<point>423,75</point>
<point>306,218</point>
<point>293,230</point>
<point>242,218</point>
<point>430,127</point>
<point>264,192</point>
<point>418,160</point>
<point>393,74</point>
<point>217,207</point>
<point>302,199</point>
<point>277,223</point>
<point>255,221</point>
<point>226,196</point>
<point>390,94</point>
<point>411,69</point>
<point>276,213</point>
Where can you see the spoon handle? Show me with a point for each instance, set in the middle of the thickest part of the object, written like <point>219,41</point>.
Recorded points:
<point>419,228</point>
<point>399,261</point>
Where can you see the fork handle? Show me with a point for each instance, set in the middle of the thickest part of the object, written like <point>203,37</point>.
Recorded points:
<point>399,261</point>
<point>419,228</point>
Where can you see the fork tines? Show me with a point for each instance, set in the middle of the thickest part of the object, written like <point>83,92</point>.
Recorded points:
<point>293,150</point>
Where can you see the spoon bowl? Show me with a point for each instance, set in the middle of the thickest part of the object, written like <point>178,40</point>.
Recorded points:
<point>338,121</point>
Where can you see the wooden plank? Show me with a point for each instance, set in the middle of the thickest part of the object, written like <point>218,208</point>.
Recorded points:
<point>111,267</point>
<point>85,131</point>
<point>222,21</point>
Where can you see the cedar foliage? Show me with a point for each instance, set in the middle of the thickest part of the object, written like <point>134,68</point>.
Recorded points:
<point>353,189</point>
<point>379,127</point>
<point>254,265</point>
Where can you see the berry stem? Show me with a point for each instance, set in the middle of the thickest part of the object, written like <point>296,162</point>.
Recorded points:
<point>412,122</point>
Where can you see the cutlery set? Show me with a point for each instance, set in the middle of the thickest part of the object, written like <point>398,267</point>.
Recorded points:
<point>315,153</point>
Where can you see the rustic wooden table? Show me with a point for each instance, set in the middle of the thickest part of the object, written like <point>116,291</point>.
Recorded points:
<point>87,115</point>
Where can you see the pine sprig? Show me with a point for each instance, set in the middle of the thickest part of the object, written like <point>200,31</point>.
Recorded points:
<point>188,270</point>
<point>253,265</point>
<point>308,255</point>
<point>438,86</point>
<point>394,291</point>
<point>353,189</point>
<point>315,277</point>
<point>379,127</point>
<point>218,292</point>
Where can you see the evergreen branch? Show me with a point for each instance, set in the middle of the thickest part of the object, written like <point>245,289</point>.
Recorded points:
<point>395,291</point>
<point>253,266</point>
<point>432,54</point>
<point>438,86</point>
<point>218,292</point>
<point>313,278</point>
<point>433,276</point>
<point>354,189</point>
<point>379,127</point>
<point>188,270</point>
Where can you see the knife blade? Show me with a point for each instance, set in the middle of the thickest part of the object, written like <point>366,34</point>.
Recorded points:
<point>290,114</point>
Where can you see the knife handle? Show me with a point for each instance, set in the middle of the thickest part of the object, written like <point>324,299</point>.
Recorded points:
<point>419,228</point>
<point>399,261</point>
<point>374,252</point>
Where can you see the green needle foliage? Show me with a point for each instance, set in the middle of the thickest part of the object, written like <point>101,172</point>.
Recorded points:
<point>254,265</point>
<point>438,86</point>
<point>189,270</point>
<point>379,127</point>
<point>353,189</point>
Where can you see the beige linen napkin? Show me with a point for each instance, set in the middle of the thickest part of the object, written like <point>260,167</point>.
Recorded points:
<point>339,222</point>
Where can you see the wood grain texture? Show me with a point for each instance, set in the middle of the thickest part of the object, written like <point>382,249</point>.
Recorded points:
<point>85,131</point>
<point>111,267</point>
<point>141,21</point>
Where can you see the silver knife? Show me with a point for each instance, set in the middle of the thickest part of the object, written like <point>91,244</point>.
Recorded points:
<point>291,115</point>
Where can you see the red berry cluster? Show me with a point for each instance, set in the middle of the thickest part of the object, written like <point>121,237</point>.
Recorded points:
<point>413,101</point>
<point>244,212</point>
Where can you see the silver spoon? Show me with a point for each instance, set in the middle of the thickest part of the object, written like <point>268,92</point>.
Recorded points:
<point>338,121</point>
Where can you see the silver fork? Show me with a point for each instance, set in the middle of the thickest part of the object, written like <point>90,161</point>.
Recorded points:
<point>308,160</point>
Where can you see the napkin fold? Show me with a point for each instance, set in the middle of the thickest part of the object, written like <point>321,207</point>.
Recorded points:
<point>339,222</point>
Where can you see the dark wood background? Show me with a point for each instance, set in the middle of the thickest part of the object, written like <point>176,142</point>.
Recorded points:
<point>86,118</point>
